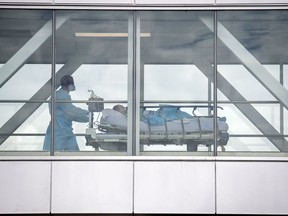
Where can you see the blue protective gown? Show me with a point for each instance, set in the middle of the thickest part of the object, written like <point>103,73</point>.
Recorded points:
<point>65,113</point>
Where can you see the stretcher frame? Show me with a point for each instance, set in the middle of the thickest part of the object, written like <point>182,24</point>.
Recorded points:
<point>112,138</point>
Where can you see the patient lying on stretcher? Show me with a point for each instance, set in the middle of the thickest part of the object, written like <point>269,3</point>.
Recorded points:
<point>120,108</point>
<point>165,113</point>
<point>167,123</point>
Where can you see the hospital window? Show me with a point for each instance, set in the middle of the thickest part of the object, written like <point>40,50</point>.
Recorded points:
<point>187,85</point>
<point>252,80</point>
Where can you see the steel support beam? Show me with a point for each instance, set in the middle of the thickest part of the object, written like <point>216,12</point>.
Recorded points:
<point>249,61</point>
<point>23,54</point>
<point>247,109</point>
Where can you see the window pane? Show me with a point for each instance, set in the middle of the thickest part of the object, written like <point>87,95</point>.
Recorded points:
<point>92,47</point>
<point>251,79</point>
<point>176,70</point>
<point>19,132</point>
<point>25,72</point>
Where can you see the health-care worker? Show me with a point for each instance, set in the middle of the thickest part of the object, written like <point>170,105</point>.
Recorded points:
<point>65,113</point>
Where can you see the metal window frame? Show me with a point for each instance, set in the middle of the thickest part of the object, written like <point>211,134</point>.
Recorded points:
<point>134,81</point>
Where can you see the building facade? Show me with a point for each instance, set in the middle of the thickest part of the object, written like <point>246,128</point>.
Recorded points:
<point>202,91</point>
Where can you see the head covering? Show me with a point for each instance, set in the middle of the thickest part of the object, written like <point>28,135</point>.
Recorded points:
<point>67,80</point>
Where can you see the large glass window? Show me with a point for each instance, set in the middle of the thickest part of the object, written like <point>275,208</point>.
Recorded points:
<point>176,85</point>
<point>25,69</point>
<point>93,48</point>
<point>146,82</point>
<point>251,79</point>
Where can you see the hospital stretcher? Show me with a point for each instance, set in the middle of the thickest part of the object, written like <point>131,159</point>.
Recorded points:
<point>112,131</point>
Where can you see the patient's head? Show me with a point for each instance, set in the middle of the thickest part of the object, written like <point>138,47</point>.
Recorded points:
<point>120,109</point>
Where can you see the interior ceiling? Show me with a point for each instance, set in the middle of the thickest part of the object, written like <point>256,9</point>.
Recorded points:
<point>175,37</point>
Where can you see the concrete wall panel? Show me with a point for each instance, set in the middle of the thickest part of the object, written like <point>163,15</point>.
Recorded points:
<point>118,2</point>
<point>251,2</point>
<point>174,187</point>
<point>24,187</point>
<point>173,2</point>
<point>92,187</point>
<point>252,187</point>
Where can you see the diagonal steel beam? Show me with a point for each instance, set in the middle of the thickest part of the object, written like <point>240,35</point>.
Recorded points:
<point>43,94</point>
<point>251,63</point>
<point>23,54</point>
<point>261,74</point>
<point>247,109</point>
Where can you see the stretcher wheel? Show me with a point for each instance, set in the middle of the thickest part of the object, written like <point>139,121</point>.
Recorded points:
<point>192,147</point>
<point>224,137</point>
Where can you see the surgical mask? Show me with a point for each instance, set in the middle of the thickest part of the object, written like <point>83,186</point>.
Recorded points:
<point>71,87</point>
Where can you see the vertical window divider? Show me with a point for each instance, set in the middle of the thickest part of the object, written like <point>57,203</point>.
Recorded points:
<point>281,106</point>
<point>130,103</point>
<point>53,83</point>
<point>137,82</point>
<point>215,134</point>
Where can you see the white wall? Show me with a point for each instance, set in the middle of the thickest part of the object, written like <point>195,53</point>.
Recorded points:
<point>206,185</point>
<point>252,187</point>
<point>251,1</point>
<point>92,186</point>
<point>24,187</point>
<point>174,187</point>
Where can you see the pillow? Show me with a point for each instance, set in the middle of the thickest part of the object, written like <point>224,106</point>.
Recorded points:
<point>113,117</point>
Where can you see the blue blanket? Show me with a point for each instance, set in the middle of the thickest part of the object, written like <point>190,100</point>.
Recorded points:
<point>164,113</point>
